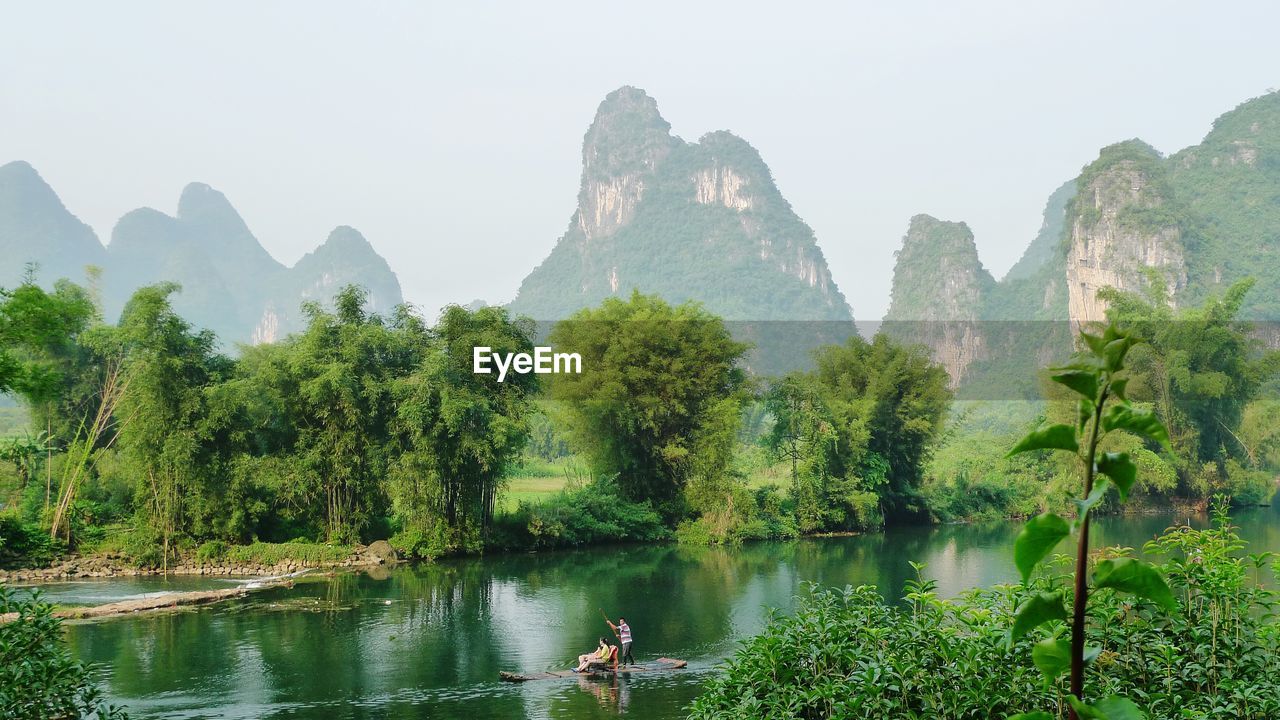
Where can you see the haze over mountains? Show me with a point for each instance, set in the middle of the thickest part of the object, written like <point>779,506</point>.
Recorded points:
<point>230,283</point>
<point>705,221</point>
<point>1194,222</point>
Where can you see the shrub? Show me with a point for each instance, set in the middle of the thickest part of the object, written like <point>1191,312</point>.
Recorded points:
<point>38,677</point>
<point>592,513</point>
<point>847,653</point>
<point>418,543</point>
<point>1247,486</point>
<point>269,554</point>
<point>211,552</point>
<point>26,544</point>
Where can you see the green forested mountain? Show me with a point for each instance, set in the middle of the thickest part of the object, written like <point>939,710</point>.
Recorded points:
<point>1194,222</point>
<point>35,227</point>
<point>701,221</point>
<point>230,283</point>
<point>345,258</point>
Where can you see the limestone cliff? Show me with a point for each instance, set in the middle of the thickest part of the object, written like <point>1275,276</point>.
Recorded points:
<point>1124,232</point>
<point>701,221</point>
<point>620,156</point>
<point>939,290</point>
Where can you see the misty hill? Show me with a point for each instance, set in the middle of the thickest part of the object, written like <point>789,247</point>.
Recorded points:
<point>230,283</point>
<point>1196,222</point>
<point>35,227</point>
<point>701,221</point>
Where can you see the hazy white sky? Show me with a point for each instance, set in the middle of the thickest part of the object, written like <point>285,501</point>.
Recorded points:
<point>450,133</point>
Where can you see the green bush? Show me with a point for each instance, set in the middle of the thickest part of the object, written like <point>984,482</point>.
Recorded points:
<point>144,548</point>
<point>211,552</point>
<point>1247,486</point>
<point>269,554</point>
<point>847,653</point>
<point>25,544</point>
<point>39,679</point>
<point>416,543</point>
<point>589,514</point>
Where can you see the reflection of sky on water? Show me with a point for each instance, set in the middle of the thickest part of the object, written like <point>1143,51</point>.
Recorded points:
<point>97,591</point>
<point>429,641</point>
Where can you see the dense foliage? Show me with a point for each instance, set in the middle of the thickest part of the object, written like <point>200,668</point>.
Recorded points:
<point>857,430</point>
<point>848,654</point>
<point>355,428</point>
<point>39,679</point>
<point>659,398</point>
<point>593,513</point>
<point>1201,367</point>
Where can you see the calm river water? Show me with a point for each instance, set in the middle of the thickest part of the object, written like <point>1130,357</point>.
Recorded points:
<point>428,642</point>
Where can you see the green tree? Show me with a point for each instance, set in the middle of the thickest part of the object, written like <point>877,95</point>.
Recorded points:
<point>858,429</point>
<point>658,384</point>
<point>168,368</point>
<point>38,332</point>
<point>1201,367</point>
<point>805,436</point>
<point>459,430</point>
<point>342,370</point>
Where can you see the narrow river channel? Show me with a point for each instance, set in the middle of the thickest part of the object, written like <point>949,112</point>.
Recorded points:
<point>428,641</point>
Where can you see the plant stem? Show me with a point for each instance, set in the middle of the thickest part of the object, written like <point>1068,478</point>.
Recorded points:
<point>1082,565</point>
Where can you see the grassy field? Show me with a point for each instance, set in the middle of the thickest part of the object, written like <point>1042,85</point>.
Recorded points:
<point>535,480</point>
<point>13,421</point>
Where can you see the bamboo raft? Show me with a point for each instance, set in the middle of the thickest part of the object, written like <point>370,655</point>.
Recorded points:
<point>598,670</point>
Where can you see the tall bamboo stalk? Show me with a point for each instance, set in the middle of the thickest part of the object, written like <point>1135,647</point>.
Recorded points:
<point>82,453</point>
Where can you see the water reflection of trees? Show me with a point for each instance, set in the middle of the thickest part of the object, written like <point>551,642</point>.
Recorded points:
<point>453,625</point>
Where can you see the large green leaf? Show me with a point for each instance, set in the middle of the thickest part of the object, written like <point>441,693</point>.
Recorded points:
<point>1084,413</point>
<point>1137,421</point>
<point>1118,388</point>
<point>1135,577</point>
<point>1121,470</point>
<point>1083,507</point>
<point>1054,437</point>
<point>1113,707</point>
<point>1095,343</point>
<point>1036,611</point>
<point>1038,538</point>
<point>1052,657</point>
<point>1114,352</point>
<point>1084,382</point>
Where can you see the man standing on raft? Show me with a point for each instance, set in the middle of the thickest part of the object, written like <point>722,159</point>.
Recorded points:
<point>623,631</point>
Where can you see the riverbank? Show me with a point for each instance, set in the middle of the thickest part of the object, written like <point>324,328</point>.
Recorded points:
<point>273,559</point>
<point>278,560</point>
<point>340,641</point>
<point>162,601</point>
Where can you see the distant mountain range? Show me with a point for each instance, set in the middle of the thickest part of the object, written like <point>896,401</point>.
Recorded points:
<point>1195,221</point>
<point>705,221</point>
<point>230,283</point>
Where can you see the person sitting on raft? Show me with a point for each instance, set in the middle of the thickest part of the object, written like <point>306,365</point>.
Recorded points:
<point>602,654</point>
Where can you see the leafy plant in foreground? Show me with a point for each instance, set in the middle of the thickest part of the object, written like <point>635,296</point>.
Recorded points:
<point>38,677</point>
<point>1097,376</point>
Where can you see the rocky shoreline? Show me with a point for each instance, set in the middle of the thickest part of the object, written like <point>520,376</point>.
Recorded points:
<point>112,565</point>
